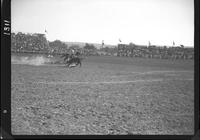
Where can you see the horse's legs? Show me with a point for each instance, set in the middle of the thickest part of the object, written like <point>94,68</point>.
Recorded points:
<point>67,64</point>
<point>80,64</point>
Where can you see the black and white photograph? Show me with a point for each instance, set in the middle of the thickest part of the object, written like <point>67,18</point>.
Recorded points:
<point>102,67</point>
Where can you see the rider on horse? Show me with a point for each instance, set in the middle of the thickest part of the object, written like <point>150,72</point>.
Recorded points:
<point>72,54</point>
<point>72,58</point>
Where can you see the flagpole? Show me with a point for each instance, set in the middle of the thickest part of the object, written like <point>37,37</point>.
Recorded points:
<point>47,40</point>
<point>149,44</point>
<point>102,44</point>
<point>173,43</point>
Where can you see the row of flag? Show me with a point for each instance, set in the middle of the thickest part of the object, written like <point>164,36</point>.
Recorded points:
<point>119,40</point>
<point>172,43</point>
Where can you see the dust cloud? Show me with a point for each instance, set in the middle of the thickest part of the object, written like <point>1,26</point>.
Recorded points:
<point>30,60</point>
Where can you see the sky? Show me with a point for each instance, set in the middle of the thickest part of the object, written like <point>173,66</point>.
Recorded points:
<point>138,21</point>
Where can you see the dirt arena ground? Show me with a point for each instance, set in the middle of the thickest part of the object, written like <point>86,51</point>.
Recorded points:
<point>107,95</point>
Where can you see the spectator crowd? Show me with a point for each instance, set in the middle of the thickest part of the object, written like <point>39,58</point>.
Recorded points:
<point>37,43</point>
<point>21,42</point>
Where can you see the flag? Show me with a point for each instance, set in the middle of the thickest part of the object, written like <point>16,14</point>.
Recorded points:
<point>102,42</point>
<point>120,40</point>
<point>173,43</point>
<point>45,31</point>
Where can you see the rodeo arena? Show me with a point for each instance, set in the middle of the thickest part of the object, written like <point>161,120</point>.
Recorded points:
<point>58,88</point>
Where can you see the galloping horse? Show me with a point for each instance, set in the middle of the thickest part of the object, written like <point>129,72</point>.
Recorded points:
<point>72,59</point>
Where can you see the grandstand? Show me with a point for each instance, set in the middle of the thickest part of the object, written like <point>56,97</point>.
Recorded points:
<point>176,52</point>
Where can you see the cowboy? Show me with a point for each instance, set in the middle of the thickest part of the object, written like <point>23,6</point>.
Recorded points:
<point>73,52</point>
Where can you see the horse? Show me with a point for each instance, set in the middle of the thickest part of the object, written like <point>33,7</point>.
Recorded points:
<point>72,59</point>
